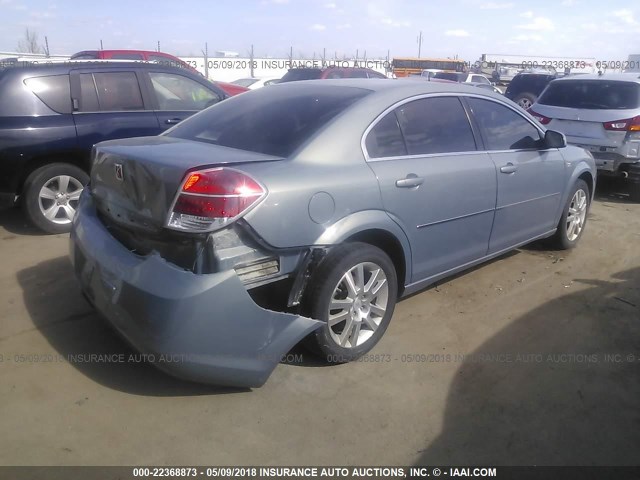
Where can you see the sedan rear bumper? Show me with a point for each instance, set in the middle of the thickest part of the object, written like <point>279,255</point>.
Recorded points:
<point>204,328</point>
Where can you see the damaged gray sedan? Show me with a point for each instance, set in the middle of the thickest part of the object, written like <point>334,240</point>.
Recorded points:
<point>306,210</point>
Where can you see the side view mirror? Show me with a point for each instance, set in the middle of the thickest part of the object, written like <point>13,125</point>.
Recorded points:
<point>553,139</point>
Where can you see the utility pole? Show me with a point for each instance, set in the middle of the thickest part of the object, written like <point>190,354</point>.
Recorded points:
<point>205,52</point>
<point>419,43</point>
<point>101,48</point>
<point>46,46</point>
<point>251,62</point>
<point>158,45</point>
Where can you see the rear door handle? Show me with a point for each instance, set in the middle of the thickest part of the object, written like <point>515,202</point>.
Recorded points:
<point>411,181</point>
<point>509,168</point>
<point>172,121</point>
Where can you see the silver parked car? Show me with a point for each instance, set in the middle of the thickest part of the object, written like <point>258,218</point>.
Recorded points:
<point>306,210</point>
<point>600,113</point>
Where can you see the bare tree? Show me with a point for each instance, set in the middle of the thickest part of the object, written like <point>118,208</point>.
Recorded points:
<point>30,43</point>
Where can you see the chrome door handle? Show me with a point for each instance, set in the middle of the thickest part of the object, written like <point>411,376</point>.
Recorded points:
<point>509,168</point>
<point>411,181</point>
<point>172,121</point>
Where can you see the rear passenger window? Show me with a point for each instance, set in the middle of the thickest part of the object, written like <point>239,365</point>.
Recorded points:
<point>54,91</point>
<point>503,128</point>
<point>385,139</point>
<point>358,74</point>
<point>115,92</point>
<point>435,125</point>
<point>88,94</point>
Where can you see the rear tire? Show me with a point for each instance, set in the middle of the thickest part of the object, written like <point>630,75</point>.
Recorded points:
<point>525,100</point>
<point>574,218</point>
<point>359,281</point>
<point>51,194</point>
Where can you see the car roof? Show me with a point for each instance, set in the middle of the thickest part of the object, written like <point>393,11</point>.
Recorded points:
<point>626,77</point>
<point>62,67</point>
<point>398,87</point>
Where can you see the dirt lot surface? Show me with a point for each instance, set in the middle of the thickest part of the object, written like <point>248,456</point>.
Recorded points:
<point>531,359</point>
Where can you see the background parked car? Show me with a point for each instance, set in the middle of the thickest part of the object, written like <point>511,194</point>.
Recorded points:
<point>525,87</point>
<point>600,113</point>
<point>253,83</point>
<point>462,77</point>
<point>231,89</point>
<point>51,115</point>
<point>309,208</point>
<point>328,73</point>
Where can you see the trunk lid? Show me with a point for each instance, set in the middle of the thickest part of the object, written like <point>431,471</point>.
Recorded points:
<point>134,181</point>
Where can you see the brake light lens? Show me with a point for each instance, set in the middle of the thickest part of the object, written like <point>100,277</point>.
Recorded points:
<point>539,117</point>
<point>212,198</point>
<point>628,125</point>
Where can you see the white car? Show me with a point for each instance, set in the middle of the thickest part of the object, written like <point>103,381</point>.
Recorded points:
<point>462,77</point>
<point>255,83</point>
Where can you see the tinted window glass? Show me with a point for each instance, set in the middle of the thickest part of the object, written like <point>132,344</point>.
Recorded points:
<point>373,74</point>
<point>385,139</point>
<point>88,94</point>
<point>435,125</point>
<point>335,74</point>
<point>53,90</point>
<point>175,92</point>
<point>274,121</point>
<point>126,56</point>
<point>592,94</point>
<point>479,79</point>
<point>301,74</point>
<point>503,128</point>
<point>118,91</point>
<point>85,56</point>
<point>454,77</point>
<point>356,73</point>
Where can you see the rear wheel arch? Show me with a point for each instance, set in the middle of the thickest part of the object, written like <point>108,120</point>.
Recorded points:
<point>588,179</point>
<point>40,161</point>
<point>389,244</point>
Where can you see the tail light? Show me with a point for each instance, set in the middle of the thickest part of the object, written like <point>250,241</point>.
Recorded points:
<point>209,199</point>
<point>628,125</point>
<point>539,117</point>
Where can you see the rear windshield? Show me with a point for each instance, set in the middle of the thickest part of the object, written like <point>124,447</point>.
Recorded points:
<point>273,121</point>
<point>301,74</point>
<point>592,94</point>
<point>454,77</point>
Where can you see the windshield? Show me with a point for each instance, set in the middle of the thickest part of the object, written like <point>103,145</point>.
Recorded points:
<point>274,121</point>
<point>245,82</point>
<point>592,94</point>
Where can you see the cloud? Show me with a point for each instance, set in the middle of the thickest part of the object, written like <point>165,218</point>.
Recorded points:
<point>331,6</point>
<point>528,38</point>
<point>317,27</point>
<point>528,14</point>
<point>343,26</point>
<point>496,6</point>
<point>568,3</point>
<point>538,23</point>
<point>457,33</point>
<point>394,23</point>
<point>625,16</point>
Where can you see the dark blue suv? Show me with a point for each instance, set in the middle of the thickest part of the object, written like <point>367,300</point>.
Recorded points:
<point>51,116</point>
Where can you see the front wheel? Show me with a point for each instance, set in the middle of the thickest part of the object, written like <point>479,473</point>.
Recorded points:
<point>51,195</point>
<point>574,218</point>
<point>354,291</point>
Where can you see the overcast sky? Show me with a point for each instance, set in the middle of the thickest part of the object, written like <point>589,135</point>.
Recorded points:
<point>607,30</point>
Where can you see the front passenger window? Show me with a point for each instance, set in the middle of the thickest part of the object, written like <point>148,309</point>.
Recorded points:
<point>176,92</point>
<point>503,128</point>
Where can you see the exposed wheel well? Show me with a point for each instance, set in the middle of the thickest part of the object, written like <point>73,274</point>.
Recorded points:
<point>41,161</point>
<point>586,176</point>
<point>389,244</point>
